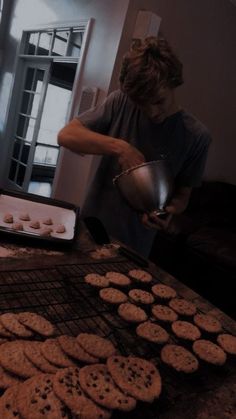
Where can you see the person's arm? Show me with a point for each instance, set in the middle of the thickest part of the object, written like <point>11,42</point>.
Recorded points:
<point>177,205</point>
<point>81,140</point>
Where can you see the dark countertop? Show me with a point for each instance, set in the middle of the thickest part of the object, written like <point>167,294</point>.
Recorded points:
<point>209,394</point>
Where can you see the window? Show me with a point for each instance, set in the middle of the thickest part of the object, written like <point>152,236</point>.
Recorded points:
<point>59,42</point>
<point>45,79</point>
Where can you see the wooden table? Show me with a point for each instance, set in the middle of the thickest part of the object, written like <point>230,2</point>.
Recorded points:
<point>30,273</point>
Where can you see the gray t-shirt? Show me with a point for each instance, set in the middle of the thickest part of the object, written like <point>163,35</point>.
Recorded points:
<point>181,139</point>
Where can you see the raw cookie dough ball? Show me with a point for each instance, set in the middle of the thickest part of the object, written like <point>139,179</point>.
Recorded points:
<point>60,229</point>
<point>8,218</point>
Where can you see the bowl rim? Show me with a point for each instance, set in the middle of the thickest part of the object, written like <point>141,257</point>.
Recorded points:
<point>131,169</point>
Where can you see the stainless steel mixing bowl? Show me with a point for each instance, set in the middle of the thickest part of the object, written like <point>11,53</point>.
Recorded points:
<point>147,187</point>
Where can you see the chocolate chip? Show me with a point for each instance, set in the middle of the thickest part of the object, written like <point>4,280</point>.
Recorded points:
<point>69,391</point>
<point>33,401</point>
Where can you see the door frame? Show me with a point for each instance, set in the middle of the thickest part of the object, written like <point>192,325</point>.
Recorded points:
<point>19,75</point>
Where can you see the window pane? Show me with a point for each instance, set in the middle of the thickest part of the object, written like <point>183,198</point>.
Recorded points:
<point>20,175</point>
<point>60,42</point>
<point>75,44</point>
<point>29,79</point>
<point>25,128</point>
<point>16,150</point>
<point>33,80</point>
<point>25,102</point>
<point>31,43</point>
<point>40,188</point>
<point>38,80</point>
<point>52,121</point>
<point>46,155</point>
<point>44,43</point>
<point>25,153</point>
<point>30,104</point>
<point>12,170</point>
<point>39,43</point>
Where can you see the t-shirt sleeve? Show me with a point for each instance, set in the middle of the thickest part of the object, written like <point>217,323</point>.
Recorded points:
<point>192,171</point>
<point>100,117</point>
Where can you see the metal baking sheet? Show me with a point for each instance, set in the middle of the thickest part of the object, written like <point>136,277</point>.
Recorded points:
<point>38,208</point>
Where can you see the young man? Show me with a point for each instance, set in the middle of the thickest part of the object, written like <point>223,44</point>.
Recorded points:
<point>140,122</point>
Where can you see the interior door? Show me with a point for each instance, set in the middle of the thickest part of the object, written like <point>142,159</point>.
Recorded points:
<point>27,122</point>
<point>42,111</point>
<point>53,117</point>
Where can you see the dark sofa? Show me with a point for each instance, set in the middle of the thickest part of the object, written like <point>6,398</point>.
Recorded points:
<point>203,252</point>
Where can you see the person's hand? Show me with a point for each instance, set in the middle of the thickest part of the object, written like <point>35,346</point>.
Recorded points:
<point>167,222</point>
<point>158,222</point>
<point>129,156</point>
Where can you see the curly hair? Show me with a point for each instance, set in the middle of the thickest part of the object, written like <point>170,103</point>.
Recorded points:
<point>148,68</point>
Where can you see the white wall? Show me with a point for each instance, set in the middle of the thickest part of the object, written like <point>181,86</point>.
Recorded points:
<point>203,32</point>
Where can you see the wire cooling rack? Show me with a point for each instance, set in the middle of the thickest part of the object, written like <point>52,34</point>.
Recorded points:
<point>60,294</point>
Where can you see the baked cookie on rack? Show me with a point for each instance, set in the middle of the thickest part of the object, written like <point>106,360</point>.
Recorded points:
<point>152,332</point>
<point>95,345</point>
<point>207,323</point>
<point>33,352</point>
<point>98,383</point>
<point>164,313</point>
<point>140,296</point>
<point>227,343</point>
<point>135,376</point>
<point>179,358</point>
<point>163,292</point>
<point>52,351</point>
<point>37,323</point>
<point>140,275</point>
<point>67,388</point>
<point>185,330</point>
<point>112,296</point>
<point>183,307</point>
<point>70,345</point>
<point>36,399</point>
<point>13,359</point>
<point>10,321</point>
<point>209,352</point>
<point>117,278</point>
<point>96,280</point>
<point>8,403</point>
<point>132,313</point>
